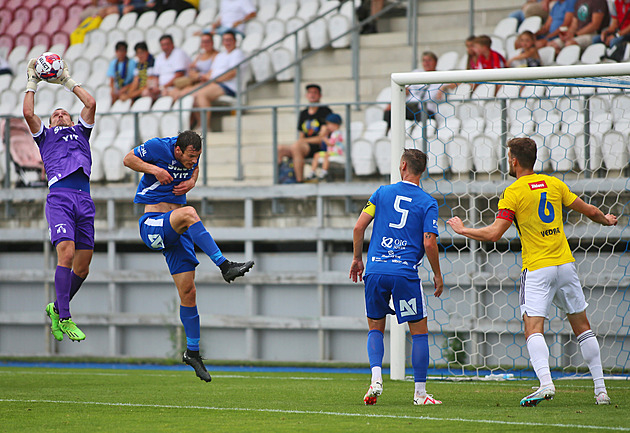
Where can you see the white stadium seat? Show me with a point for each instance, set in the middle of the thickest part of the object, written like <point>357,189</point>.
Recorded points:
<point>593,54</point>
<point>339,24</point>
<point>109,22</point>
<point>383,155</point>
<point>614,150</point>
<point>459,153</point>
<point>506,27</point>
<point>276,26</point>
<point>146,20</point>
<point>163,103</point>
<point>205,17</point>
<point>532,24</point>
<point>569,55</point>
<point>287,11</point>
<point>186,18</point>
<point>282,58</point>
<point>266,12</point>
<point>127,21</point>
<point>447,61</point>
<point>166,18</point>
<point>547,55</point>
<point>254,26</point>
<point>362,156</point>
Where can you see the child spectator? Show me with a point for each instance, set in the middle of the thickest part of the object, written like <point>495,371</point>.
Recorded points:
<point>330,144</point>
<point>486,57</point>
<point>526,43</point>
<point>141,73</point>
<point>120,71</point>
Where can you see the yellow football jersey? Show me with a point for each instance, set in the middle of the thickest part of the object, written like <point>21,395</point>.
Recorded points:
<point>535,203</point>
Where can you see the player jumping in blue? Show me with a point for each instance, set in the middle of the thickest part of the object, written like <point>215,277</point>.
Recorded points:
<point>170,167</point>
<point>405,228</point>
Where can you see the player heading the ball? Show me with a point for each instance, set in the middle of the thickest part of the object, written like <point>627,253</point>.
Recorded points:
<point>170,167</point>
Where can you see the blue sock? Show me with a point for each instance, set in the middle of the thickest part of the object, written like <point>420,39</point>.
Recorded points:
<point>375,348</point>
<point>420,357</point>
<point>190,319</point>
<point>201,237</point>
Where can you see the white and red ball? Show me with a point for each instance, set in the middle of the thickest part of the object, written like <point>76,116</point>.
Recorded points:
<point>49,66</point>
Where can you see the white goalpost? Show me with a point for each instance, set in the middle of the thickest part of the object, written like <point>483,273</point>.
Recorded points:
<point>580,118</point>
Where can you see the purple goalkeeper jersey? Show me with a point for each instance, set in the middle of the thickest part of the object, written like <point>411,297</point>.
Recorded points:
<point>65,149</point>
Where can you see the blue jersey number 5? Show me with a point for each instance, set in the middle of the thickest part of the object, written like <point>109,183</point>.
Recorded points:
<point>404,212</point>
<point>545,209</point>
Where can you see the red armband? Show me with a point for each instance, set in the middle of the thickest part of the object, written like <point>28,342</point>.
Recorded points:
<point>506,214</point>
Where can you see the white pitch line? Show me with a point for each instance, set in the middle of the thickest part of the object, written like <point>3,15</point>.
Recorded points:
<point>227,376</point>
<point>308,412</point>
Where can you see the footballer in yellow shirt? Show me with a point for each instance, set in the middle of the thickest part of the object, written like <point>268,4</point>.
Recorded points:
<point>534,204</point>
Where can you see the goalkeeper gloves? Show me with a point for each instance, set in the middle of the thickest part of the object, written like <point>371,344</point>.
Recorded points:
<point>65,79</point>
<point>31,77</point>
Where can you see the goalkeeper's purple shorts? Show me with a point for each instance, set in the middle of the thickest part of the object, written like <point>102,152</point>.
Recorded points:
<point>70,216</point>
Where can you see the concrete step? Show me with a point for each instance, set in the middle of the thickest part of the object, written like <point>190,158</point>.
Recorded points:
<point>228,138</point>
<point>385,47</point>
<point>368,89</point>
<point>447,7</point>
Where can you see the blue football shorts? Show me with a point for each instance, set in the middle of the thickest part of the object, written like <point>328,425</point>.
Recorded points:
<point>179,250</point>
<point>406,293</point>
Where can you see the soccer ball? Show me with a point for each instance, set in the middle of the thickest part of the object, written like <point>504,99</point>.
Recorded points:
<point>49,66</point>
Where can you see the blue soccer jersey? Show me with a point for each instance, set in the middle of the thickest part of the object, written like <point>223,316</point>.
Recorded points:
<point>402,213</point>
<point>161,152</point>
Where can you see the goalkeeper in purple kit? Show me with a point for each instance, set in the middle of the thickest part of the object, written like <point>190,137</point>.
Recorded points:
<point>170,167</point>
<point>67,158</point>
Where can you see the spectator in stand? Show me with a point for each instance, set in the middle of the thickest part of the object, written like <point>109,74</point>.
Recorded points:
<point>617,34</point>
<point>122,7</point>
<point>528,56</point>
<point>561,15</point>
<point>532,8</point>
<point>310,122</point>
<point>233,14</point>
<point>470,52</point>
<point>120,71</point>
<point>140,74</point>
<point>367,9</point>
<point>199,70</point>
<point>418,97</point>
<point>589,19</point>
<point>331,144</point>
<point>223,76</point>
<point>170,64</point>
<point>486,57</point>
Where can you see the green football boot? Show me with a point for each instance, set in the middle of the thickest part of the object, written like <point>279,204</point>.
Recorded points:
<point>54,319</point>
<point>69,328</point>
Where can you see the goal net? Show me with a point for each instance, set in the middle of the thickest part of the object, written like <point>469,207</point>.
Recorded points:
<point>580,118</point>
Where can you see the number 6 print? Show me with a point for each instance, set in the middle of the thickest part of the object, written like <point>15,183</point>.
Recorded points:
<point>545,209</point>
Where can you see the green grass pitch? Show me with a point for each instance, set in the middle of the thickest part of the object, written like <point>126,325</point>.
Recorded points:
<point>84,400</point>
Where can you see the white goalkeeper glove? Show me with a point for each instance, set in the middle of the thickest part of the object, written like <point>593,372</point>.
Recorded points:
<point>65,79</point>
<point>31,77</point>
